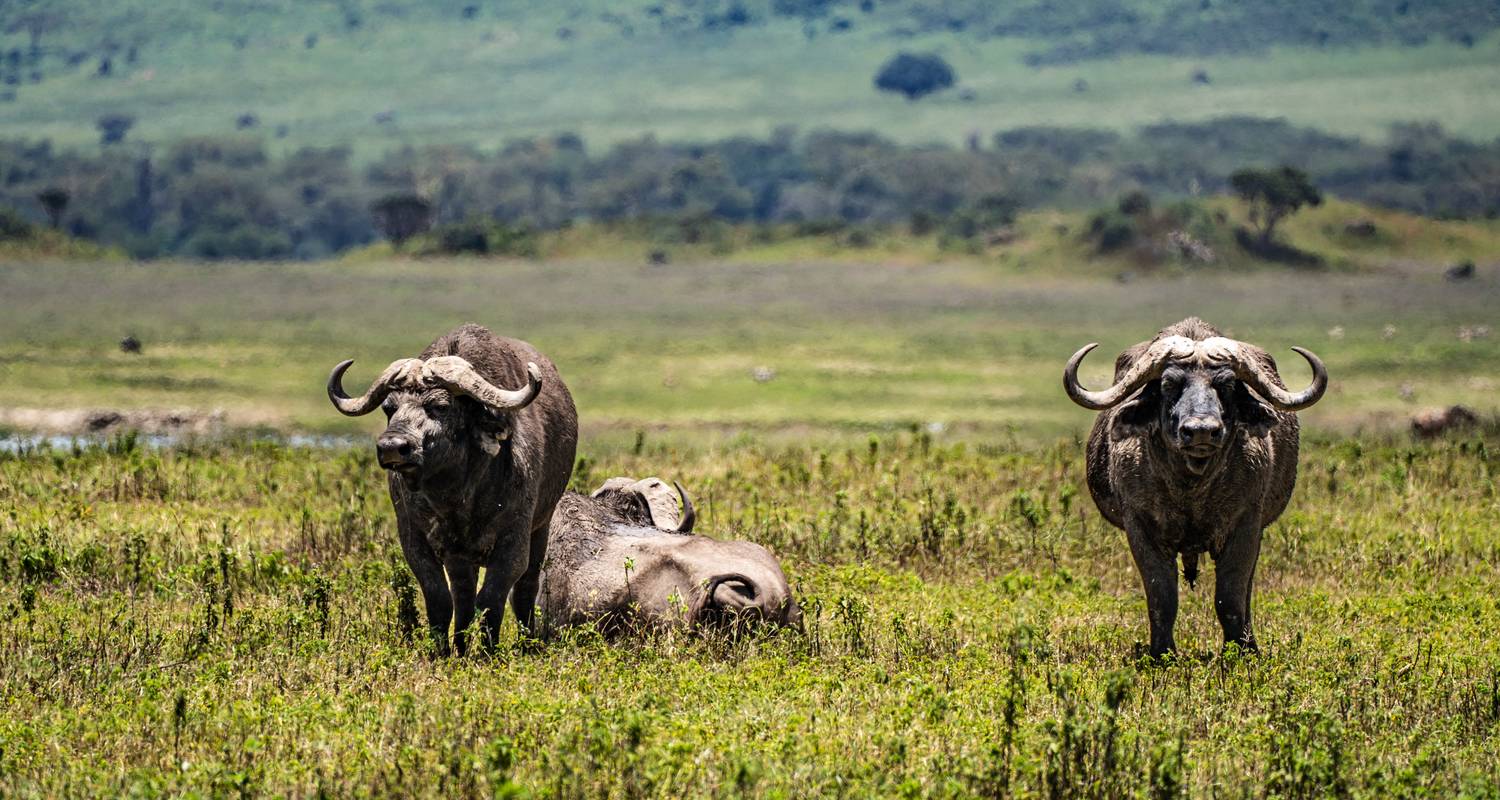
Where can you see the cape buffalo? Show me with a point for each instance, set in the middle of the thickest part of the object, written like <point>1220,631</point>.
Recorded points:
<point>1196,452</point>
<point>1434,422</point>
<point>625,558</point>
<point>475,470</point>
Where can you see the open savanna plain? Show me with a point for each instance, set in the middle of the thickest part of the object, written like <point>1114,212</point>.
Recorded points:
<point>232,617</point>
<point>537,68</point>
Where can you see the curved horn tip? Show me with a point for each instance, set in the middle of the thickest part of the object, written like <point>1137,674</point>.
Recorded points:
<point>1313,393</point>
<point>689,515</point>
<point>336,381</point>
<point>1074,389</point>
<point>348,406</point>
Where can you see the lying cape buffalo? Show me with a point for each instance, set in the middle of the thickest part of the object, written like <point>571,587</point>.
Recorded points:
<point>625,558</point>
<point>474,470</point>
<point>1196,451</point>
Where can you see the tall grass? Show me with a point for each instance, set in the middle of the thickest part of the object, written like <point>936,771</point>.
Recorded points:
<point>235,619</point>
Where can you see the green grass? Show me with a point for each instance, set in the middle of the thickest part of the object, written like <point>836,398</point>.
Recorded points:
<point>506,75</point>
<point>223,617</point>
<point>224,620</point>
<point>861,340</point>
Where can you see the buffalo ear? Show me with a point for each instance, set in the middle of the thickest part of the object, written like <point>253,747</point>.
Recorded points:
<point>491,430</point>
<point>1139,415</point>
<point>660,501</point>
<point>1252,412</point>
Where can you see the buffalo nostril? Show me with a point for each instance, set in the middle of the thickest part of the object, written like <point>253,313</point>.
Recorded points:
<point>393,448</point>
<point>1199,429</point>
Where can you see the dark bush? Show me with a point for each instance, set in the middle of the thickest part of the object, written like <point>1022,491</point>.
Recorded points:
<point>986,215</point>
<point>54,201</point>
<point>13,226</point>
<point>478,236</point>
<point>113,127</point>
<point>914,75</point>
<point>922,223</point>
<point>402,216</point>
<point>1111,231</point>
<point>244,242</point>
<point>1135,203</point>
<point>464,237</point>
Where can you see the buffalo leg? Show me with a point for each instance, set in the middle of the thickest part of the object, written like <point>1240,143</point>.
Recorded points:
<point>499,576</point>
<point>523,596</point>
<point>1158,570</point>
<point>462,577</point>
<point>1234,577</point>
<point>434,584</point>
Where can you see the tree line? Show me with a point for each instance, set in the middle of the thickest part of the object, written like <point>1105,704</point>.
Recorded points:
<point>232,197</point>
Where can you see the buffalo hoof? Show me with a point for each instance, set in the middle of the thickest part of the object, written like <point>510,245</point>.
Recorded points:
<point>1144,656</point>
<point>1234,650</point>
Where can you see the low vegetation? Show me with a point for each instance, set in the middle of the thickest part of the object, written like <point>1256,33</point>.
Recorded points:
<point>236,619</point>
<point>239,197</point>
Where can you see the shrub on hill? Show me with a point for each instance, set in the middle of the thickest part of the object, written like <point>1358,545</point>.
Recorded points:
<point>1273,195</point>
<point>12,226</point>
<point>914,76</point>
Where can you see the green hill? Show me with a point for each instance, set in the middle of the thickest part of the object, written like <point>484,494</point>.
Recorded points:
<point>377,74</point>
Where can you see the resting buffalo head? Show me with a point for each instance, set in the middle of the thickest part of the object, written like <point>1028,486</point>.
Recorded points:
<point>1195,393</point>
<point>648,502</point>
<point>436,409</point>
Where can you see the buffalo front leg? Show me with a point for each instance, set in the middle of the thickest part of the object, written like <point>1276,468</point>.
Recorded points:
<point>1158,568</point>
<point>1234,578</point>
<point>523,596</point>
<point>500,575</point>
<point>463,578</point>
<point>434,584</point>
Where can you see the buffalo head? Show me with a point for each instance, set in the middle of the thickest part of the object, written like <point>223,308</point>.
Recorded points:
<point>435,410</point>
<point>1194,393</point>
<point>648,502</point>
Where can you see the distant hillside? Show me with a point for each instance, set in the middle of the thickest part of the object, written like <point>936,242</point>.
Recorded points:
<point>378,73</point>
<point>234,197</point>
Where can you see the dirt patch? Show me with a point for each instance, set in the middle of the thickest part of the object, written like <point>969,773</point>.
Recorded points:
<point>84,421</point>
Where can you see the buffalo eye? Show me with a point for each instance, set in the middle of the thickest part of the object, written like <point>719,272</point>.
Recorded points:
<point>435,402</point>
<point>389,408</point>
<point>1223,383</point>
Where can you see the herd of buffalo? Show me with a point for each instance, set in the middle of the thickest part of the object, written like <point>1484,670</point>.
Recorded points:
<point>1194,451</point>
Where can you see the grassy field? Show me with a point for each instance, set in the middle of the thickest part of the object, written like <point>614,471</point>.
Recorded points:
<point>506,74</point>
<point>224,621</point>
<point>862,340</point>
<point>223,618</point>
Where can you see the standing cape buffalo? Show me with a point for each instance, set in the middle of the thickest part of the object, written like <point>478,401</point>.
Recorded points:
<point>474,470</point>
<point>624,558</point>
<point>1196,451</point>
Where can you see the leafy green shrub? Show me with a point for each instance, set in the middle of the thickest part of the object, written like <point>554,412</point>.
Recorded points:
<point>243,242</point>
<point>12,226</point>
<point>479,236</point>
<point>1111,230</point>
<point>1273,195</point>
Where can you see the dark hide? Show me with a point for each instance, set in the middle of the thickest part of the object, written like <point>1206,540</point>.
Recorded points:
<point>673,578</point>
<point>473,488</point>
<point>1192,463</point>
